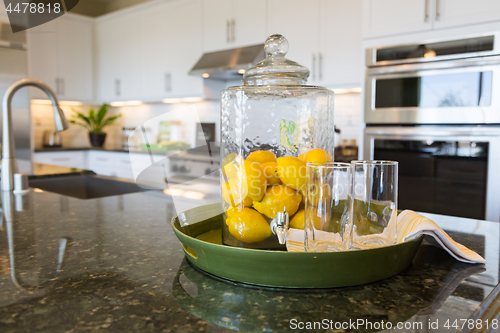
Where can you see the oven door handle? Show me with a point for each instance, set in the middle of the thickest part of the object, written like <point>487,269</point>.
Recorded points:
<point>404,133</point>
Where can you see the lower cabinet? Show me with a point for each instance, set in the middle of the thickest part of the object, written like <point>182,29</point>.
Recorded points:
<point>107,163</point>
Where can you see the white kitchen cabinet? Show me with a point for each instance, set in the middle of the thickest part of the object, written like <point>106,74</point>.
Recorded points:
<point>395,17</point>
<point>452,13</point>
<point>324,35</point>
<point>300,26</point>
<point>233,23</point>
<point>340,60</point>
<point>75,52</point>
<point>391,17</point>
<point>60,53</point>
<point>130,41</point>
<point>70,159</point>
<point>108,66</point>
<point>42,57</point>
<point>167,54</point>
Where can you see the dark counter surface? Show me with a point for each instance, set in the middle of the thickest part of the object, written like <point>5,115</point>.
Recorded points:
<point>124,270</point>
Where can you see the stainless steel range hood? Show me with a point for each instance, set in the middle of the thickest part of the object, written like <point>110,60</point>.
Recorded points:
<point>228,64</point>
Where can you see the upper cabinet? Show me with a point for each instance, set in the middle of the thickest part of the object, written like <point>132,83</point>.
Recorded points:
<point>60,53</point>
<point>451,13</point>
<point>233,23</point>
<point>118,41</point>
<point>390,17</point>
<point>324,35</point>
<point>172,43</point>
<point>340,63</point>
<point>393,17</point>
<point>300,26</point>
<point>146,54</point>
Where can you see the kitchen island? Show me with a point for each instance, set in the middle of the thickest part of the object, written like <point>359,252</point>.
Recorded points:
<point>122,269</point>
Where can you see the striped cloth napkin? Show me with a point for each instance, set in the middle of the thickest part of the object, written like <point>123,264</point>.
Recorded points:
<point>410,225</point>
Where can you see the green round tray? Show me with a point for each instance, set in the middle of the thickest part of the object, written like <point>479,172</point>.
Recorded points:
<point>202,243</point>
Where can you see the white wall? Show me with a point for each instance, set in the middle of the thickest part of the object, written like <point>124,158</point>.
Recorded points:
<point>348,116</point>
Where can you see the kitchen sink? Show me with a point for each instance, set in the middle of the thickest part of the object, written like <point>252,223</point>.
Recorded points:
<point>85,186</point>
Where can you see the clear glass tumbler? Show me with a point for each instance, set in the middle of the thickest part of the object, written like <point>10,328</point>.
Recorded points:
<point>328,194</point>
<point>375,203</point>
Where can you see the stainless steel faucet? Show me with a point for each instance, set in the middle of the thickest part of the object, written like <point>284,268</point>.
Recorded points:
<point>9,165</point>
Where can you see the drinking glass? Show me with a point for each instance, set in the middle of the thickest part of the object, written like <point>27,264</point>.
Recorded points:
<point>327,223</point>
<point>375,203</point>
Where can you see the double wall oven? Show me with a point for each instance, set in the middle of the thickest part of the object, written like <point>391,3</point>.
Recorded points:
<point>435,108</point>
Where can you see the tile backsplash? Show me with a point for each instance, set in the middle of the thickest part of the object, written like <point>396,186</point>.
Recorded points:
<point>347,119</point>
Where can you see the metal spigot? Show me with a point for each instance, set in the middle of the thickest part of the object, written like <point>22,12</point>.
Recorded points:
<point>9,165</point>
<point>279,226</point>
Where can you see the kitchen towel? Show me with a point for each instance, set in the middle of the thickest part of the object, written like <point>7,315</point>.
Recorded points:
<point>410,225</point>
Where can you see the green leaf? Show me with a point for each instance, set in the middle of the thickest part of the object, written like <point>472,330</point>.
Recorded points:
<point>102,113</point>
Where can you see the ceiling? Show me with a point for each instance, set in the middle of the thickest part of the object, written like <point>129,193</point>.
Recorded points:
<point>96,8</point>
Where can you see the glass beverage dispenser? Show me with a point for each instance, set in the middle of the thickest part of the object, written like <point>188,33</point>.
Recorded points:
<point>270,128</point>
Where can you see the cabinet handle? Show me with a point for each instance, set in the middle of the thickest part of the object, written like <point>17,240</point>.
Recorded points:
<point>63,88</point>
<point>228,31</point>
<point>101,159</point>
<point>232,30</point>
<point>61,159</point>
<point>314,67</point>
<point>168,82</point>
<point>58,86</point>
<point>426,15</point>
<point>320,66</point>
<point>438,10</point>
<point>117,87</point>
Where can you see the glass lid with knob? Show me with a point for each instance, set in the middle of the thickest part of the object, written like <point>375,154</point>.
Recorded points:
<point>270,128</point>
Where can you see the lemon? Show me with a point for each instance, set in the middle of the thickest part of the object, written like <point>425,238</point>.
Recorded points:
<point>292,172</point>
<point>270,172</point>
<point>232,210</point>
<point>247,180</point>
<point>233,195</point>
<point>262,156</point>
<point>315,156</point>
<point>329,157</point>
<point>298,220</point>
<point>253,176</point>
<point>248,226</point>
<point>231,165</point>
<point>276,199</point>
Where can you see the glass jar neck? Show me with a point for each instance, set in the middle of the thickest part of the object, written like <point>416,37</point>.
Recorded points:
<point>268,80</point>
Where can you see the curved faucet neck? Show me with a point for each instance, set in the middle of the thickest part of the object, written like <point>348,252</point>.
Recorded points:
<point>9,166</point>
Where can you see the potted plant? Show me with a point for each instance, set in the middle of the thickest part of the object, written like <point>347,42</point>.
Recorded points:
<point>95,122</point>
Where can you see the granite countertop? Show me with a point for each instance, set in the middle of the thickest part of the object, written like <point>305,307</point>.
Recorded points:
<point>124,270</point>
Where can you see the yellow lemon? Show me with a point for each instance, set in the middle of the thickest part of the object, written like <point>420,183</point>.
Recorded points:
<point>302,156</point>
<point>232,210</point>
<point>315,156</point>
<point>248,226</point>
<point>292,172</point>
<point>270,171</point>
<point>276,199</point>
<point>329,157</point>
<point>298,220</point>
<point>252,175</point>
<point>262,156</point>
<point>231,165</point>
<point>233,195</point>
